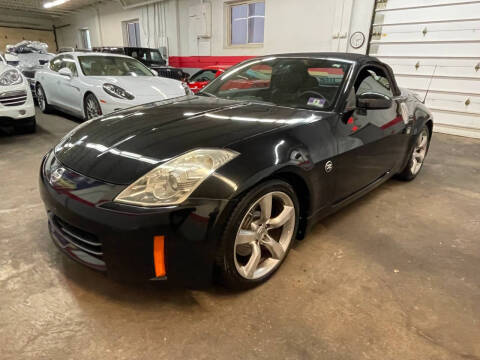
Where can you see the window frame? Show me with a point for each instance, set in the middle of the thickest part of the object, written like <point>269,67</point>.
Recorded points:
<point>228,24</point>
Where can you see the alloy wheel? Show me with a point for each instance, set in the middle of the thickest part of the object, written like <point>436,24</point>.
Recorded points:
<point>264,236</point>
<point>41,98</point>
<point>92,107</point>
<point>419,152</point>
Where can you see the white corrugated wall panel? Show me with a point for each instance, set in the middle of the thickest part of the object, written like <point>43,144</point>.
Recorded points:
<point>434,44</point>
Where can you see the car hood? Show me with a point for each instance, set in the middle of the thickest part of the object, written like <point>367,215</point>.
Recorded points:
<point>150,86</point>
<point>125,145</point>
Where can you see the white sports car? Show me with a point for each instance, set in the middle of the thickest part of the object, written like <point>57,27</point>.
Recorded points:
<point>88,85</point>
<point>16,103</point>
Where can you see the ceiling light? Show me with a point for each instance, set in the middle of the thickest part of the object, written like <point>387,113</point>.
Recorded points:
<point>51,4</point>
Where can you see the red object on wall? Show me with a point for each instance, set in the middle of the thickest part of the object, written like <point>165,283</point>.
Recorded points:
<point>199,62</point>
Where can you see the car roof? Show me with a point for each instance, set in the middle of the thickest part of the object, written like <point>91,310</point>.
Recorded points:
<point>354,57</point>
<point>79,53</point>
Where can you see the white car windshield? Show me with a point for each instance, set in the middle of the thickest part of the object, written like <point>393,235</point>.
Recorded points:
<point>112,66</point>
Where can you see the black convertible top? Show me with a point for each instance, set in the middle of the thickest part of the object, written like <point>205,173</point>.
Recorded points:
<point>359,58</point>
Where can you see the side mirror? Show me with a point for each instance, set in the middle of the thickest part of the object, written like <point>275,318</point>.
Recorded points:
<point>373,101</point>
<point>66,72</point>
<point>155,72</point>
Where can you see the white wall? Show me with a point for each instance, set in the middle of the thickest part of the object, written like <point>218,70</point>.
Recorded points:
<point>105,24</point>
<point>290,26</point>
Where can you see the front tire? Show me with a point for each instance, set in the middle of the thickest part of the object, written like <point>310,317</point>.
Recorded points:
<point>258,235</point>
<point>42,100</point>
<point>417,156</point>
<point>91,107</point>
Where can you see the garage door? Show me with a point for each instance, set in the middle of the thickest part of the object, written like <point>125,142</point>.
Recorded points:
<point>12,36</point>
<point>434,44</point>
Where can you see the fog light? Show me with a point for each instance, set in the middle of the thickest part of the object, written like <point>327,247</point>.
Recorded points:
<point>159,255</point>
<point>22,112</point>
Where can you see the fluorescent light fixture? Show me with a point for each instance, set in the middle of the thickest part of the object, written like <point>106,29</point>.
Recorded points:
<point>51,4</point>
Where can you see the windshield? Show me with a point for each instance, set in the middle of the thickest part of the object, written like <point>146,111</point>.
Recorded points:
<point>156,56</point>
<point>204,75</point>
<point>293,82</point>
<point>112,66</point>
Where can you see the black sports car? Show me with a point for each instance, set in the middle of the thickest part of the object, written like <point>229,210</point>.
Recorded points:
<point>222,183</point>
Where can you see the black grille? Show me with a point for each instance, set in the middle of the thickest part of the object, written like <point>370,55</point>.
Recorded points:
<point>29,73</point>
<point>81,239</point>
<point>170,73</point>
<point>13,98</point>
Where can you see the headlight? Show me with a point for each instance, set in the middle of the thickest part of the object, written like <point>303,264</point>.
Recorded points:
<point>172,182</point>
<point>117,91</point>
<point>10,77</point>
<point>187,89</point>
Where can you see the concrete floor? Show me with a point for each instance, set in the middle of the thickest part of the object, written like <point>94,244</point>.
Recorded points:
<point>394,276</point>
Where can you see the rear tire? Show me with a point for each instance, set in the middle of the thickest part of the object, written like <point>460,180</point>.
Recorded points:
<point>258,235</point>
<point>42,100</point>
<point>417,156</point>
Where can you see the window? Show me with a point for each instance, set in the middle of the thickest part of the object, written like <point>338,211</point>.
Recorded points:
<point>112,66</point>
<point>85,36</point>
<point>294,82</point>
<point>132,33</point>
<point>56,63</point>
<point>69,62</point>
<point>247,23</point>
<point>373,80</point>
<point>204,75</point>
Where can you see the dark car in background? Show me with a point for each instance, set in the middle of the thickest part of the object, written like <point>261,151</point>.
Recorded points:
<point>152,58</point>
<point>222,183</point>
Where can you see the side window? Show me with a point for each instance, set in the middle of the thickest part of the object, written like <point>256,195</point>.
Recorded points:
<point>204,75</point>
<point>69,62</point>
<point>56,63</point>
<point>373,79</point>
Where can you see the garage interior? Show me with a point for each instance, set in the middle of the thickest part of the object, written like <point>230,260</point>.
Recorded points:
<point>395,275</point>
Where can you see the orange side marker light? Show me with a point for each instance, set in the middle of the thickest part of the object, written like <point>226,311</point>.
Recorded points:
<point>159,255</point>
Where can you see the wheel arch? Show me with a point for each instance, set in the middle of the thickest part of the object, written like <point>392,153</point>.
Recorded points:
<point>429,124</point>
<point>303,193</point>
<point>294,177</point>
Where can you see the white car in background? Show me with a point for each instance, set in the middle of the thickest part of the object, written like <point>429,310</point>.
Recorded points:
<point>16,103</point>
<point>88,85</point>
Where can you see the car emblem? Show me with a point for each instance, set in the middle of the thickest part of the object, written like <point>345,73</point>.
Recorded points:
<point>56,175</point>
<point>328,166</point>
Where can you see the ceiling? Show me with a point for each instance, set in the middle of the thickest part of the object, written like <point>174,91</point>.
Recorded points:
<point>31,8</point>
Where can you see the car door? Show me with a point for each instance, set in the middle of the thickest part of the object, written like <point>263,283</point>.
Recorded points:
<point>69,96</point>
<point>49,79</point>
<point>371,142</point>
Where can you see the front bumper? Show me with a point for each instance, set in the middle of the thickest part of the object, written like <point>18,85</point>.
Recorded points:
<point>119,239</point>
<point>16,103</point>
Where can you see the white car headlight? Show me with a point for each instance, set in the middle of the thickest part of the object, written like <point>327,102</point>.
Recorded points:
<point>10,77</point>
<point>187,89</point>
<point>117,91</point>
<point>172,182</point>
